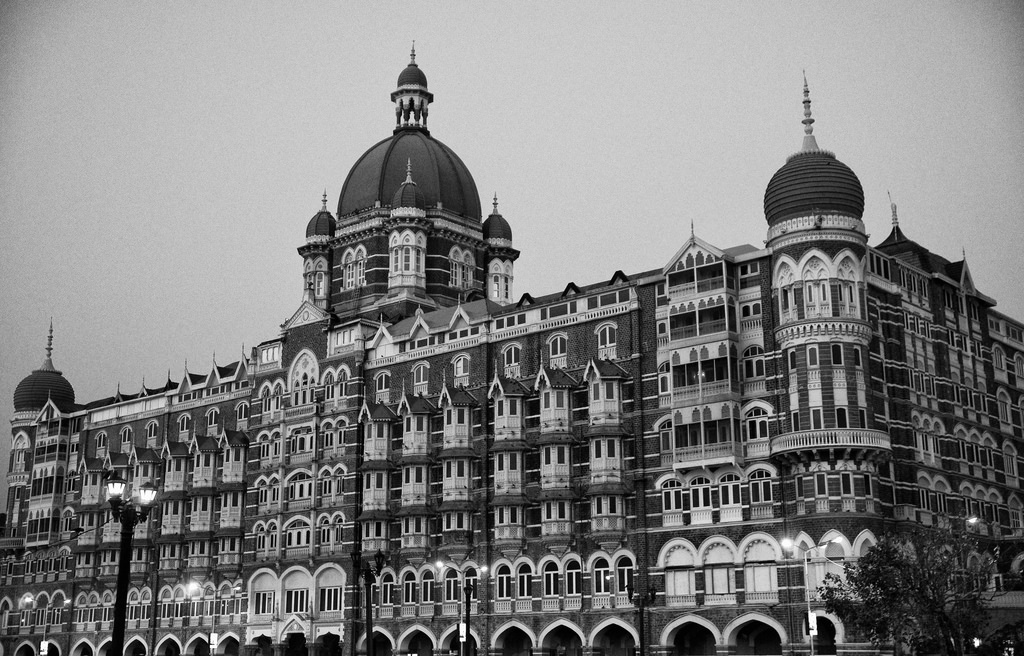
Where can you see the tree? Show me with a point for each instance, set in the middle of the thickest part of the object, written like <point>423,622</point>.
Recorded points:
<point>919,590</point>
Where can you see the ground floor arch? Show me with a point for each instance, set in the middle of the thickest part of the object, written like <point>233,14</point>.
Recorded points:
<point>691,638</point>
<point>25,649</point>
<point>561,639</point>
<point>756,637</point>
<point>82,648</point>
<point>417,641</point>
<point>168,646</point>
<point>513,639</point>
<point>614,638</point>
<point>330,644</point>
<point>133,647</point>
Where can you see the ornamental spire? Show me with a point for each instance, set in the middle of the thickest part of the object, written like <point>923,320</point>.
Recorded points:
<point>412,55</point>
<point>495,202</point>
<point>324,209</point>
<point>47,361</point>
<point>810,143</point>
<point>408,171</point>
<point>895,219</point>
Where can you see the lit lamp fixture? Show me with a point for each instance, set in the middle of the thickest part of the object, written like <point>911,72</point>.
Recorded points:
<point>129,516</point>
<point>812,624</point>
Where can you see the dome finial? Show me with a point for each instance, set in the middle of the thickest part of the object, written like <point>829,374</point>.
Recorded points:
<point>495,202</point>
<point>49,341</point>
<point>324,209</point>
<point>895,219</point>
<point>408,171</point>
<point>809,142</point>
<point>412,55</point>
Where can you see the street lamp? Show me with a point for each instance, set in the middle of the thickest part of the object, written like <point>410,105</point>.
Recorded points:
<point>129,516</point>
<point>792,546</point>
<point>642,601</point>
<point>370,575</point>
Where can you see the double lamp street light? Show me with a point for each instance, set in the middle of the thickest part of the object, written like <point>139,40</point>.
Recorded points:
<point>126,512</point>
<point>370,575</point>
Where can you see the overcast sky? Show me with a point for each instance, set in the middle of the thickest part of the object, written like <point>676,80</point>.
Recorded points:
<point>159,161</point>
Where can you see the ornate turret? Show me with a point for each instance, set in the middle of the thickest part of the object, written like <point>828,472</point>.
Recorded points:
<point>412,99</point>
<point>44,383</point>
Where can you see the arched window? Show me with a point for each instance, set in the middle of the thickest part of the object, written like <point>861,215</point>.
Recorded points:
<point>184,423</point>
<point>421,374</point>
<point>760,486</point>
<point>753,362</point>
<point>409,588</point>
<point>101,441</point>
<point>152,430</point>
<point>624,575</point>
<point>552,579</point>
<point>573,578</point>
<point>557,346</point>
<point>756,424</point>
<point>451,585</point>
<point>460,366</point>
<point>503,580</point>
<point>524,578</point>
<point>382,383</point>
<point>126,436</point>
<point>700,492</point>
<point>672,496</point>
<point>427,587</point>
<point>602,577</point>
<point>606,336</point>
<point>510,357</point>
<point>729,490</point>
<point>213,419</point>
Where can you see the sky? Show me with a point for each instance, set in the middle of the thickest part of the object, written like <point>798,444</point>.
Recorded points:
<point>159,161</point>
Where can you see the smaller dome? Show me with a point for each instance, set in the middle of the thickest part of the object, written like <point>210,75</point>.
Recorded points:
<point>495,226</point>
<point>412,75</point>
<point>322,224</point>
<point>408,194</point>
<point>42,384</point>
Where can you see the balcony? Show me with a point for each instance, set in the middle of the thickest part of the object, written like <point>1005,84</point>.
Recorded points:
<point>563,527</point>
<point>415,541</point>
<point>507,532</point>
<point>681,600</point>
<point>608,524</point>
<point>506,481</point>
<point>704,393</point>
<point>300,412</point>
<point>720,599</point>
<point>704,455</point>
<point>841,438</point>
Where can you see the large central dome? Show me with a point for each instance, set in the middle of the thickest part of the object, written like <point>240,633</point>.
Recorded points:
<point>438,171</point>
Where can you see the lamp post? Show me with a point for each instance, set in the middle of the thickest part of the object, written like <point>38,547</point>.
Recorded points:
<point>468,589</point>
<point>129,516</point>
<point>370,575</point>
<point>792,546</point>
<point>642,601</point>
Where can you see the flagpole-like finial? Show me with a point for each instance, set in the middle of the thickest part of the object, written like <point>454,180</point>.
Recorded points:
<point>809,141</point>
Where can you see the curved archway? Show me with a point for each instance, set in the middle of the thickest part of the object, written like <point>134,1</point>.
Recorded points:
<point>691,636</point>
<point>417,641</point>
<point>753,634</point>
<point>135,647</point>
<point>513,639</point>
<point>562,638</point>
<point>614,638</point>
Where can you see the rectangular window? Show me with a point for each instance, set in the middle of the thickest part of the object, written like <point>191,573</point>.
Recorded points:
<point>837,355</point>
<point>841,418</point>
<point>821,485</point>
<point>816,418</point>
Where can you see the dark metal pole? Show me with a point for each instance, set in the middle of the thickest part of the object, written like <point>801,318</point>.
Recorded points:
<point>129,518</point>
<point>368,579</point>
<point>465,641</point>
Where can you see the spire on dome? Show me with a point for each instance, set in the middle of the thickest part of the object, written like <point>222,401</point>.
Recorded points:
<point>324,208</point>
<point>809,141</point>
<point>895,219</point>
<point>48,361</point>
<point>408,168</point>
<point>412,55</point>
<point>495,202</point>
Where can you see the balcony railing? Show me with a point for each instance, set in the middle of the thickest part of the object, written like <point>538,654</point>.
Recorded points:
<point>855,438</point>
<point>707,454</point>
